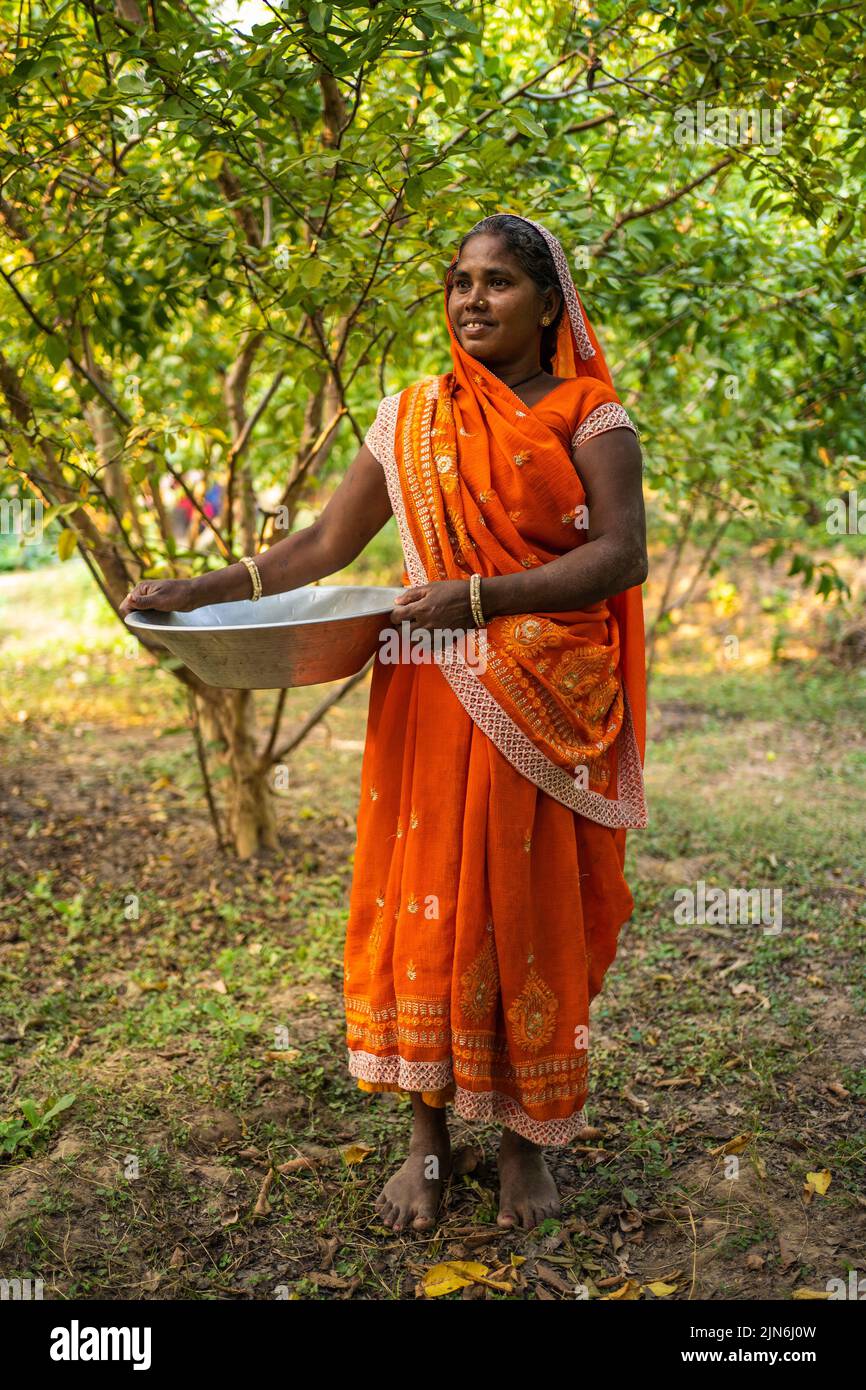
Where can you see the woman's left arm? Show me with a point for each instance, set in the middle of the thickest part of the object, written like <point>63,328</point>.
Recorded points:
<point>612,558</point>
<point>614,555</point>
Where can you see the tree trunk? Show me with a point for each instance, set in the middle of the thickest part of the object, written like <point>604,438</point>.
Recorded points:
<point>227,717</point>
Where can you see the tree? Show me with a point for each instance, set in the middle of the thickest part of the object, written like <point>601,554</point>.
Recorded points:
<point>222,244</point>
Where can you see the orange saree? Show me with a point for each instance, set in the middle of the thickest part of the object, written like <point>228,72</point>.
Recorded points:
<point>488,890</point>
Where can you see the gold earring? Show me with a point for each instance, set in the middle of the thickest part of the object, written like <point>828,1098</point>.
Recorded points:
<point>546,320</point>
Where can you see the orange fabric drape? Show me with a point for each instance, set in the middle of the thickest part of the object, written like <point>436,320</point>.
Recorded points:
<point>488,889</point>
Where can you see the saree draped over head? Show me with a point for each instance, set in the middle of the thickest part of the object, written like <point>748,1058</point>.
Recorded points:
<point>488,889</point>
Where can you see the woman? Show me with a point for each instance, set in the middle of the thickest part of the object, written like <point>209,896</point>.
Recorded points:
<point>488,890</point>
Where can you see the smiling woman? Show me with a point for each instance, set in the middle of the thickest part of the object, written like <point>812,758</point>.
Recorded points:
<point>488,890</point>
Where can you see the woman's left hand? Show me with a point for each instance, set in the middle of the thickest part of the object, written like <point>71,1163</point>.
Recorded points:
<point>444,603</point>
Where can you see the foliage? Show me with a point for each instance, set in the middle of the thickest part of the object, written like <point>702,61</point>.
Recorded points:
<point>223,240</point>
<point>18,1133</point>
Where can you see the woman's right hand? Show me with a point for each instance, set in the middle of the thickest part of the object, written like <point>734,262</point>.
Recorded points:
<point>163,595</point>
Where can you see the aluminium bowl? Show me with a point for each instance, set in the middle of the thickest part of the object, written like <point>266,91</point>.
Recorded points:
<point>305,636</point>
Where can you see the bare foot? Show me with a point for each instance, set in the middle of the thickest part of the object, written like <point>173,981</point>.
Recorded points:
<point>527,1192</point>
<point>411,1196</point>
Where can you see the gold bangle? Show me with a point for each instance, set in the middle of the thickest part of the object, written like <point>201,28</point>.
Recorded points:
<point>475,599</point>
<point>253,571</point>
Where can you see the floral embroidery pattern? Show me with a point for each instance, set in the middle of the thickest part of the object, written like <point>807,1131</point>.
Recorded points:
<point>375,937</point>
<point>528,635</point>
<point>479,984</point>
<point>533,1013</point>
<point>446,467</point>
<point>578,672</point>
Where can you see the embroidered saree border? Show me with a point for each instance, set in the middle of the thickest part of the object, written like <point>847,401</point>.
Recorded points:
<point>482,1107</point>
<point>609,416</point>
<point>628,810</point>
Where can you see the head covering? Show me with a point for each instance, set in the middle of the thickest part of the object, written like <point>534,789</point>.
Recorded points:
<point>578,351</point>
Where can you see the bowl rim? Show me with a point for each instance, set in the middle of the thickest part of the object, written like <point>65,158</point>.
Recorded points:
<point>139,617</point>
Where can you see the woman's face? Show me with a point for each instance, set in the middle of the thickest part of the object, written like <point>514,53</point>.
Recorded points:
<point>494,306</point>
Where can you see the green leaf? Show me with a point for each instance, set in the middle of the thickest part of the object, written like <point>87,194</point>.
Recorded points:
<point>312,272</point>
<point>62,1104</point>
<point>30,1111</point>
<point>66,543</point>
<point>525,122</point>
<point>55,351</point>
<point>257,104</point>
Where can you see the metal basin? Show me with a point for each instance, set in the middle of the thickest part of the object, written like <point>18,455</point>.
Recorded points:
<point>303,637</point>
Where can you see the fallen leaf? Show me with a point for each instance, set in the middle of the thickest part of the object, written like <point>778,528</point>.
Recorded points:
<point>355,1153</point>
<point>635,1101</point>
<point>816,1183</point>
<point>629,1292</point>
<point>660,1289</point>
<point>555,1281</point>
<point>733,1146</point>
<point>328,1281</point>
<point>452,1275</point>
<point>263,1206</point>
<point>294,1165</point>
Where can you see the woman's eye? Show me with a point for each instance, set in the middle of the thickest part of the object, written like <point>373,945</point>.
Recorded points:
<point>464,285</point>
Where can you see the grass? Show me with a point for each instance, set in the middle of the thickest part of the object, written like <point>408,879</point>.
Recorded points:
<point>191,1006</point>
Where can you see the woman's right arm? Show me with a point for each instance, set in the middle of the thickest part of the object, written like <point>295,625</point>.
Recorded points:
<point>358,510</point>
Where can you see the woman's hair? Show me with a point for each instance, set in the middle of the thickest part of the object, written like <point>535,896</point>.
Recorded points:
<point>531,251</point>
